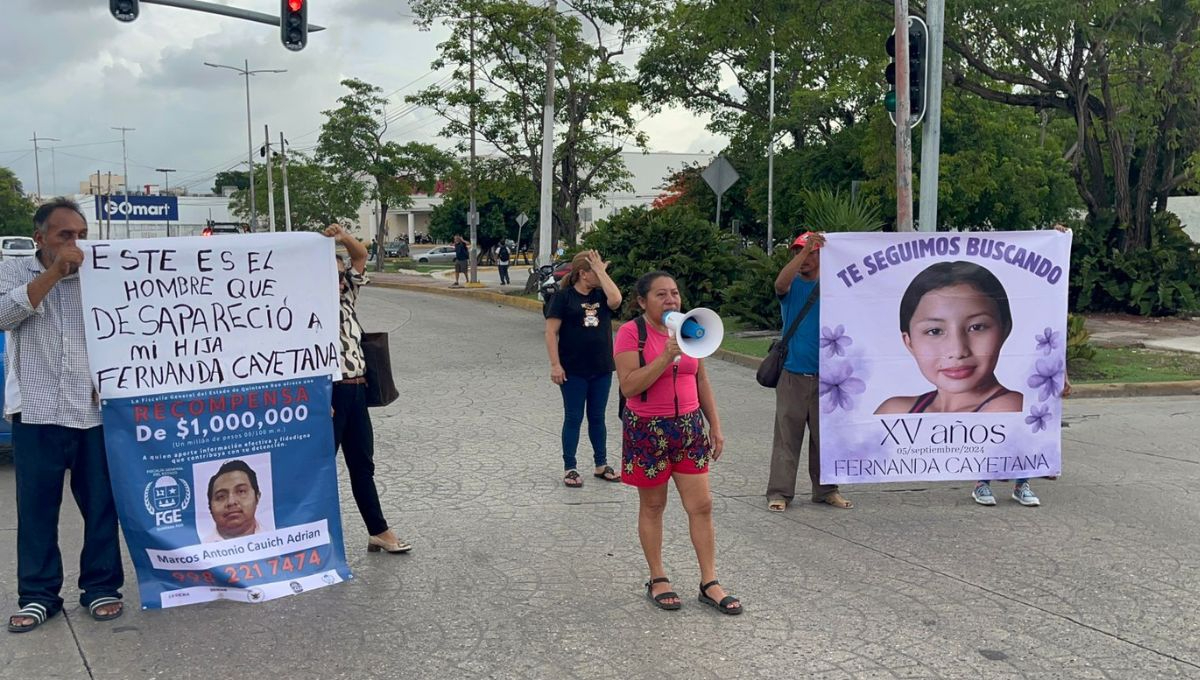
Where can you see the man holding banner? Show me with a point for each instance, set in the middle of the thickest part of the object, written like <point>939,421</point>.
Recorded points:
<point>796,397</point>
<point>56,424</point>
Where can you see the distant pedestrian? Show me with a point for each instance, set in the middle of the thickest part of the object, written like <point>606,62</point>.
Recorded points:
<point>352,429</point>
<point>669,401</point>
<point>502,261</point>
<point>579,342</point>
<point>462,258</point>
<point>56,424</point>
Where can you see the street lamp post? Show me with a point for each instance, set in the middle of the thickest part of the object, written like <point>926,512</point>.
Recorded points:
<point>125,165</point>
<point>37,168</point>
<point>166,189</point>
<point>246,72</point>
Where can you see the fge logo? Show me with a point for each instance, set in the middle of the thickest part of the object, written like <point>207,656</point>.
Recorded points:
<point>166,498</point>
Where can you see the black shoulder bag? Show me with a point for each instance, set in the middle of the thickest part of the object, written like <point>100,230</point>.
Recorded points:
<point>772,366</point>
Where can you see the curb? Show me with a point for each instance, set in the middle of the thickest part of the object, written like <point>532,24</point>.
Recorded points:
<point>1180,388</point>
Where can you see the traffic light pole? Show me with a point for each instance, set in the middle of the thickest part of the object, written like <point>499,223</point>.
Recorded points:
<point>226,11</point>
<point>904,203</point>
<point>931,131</point>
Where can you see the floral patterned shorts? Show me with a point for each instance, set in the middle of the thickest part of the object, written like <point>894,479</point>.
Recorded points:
<point>654,448</point>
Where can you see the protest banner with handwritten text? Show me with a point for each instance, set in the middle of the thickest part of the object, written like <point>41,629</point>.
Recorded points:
<point>213,359</point>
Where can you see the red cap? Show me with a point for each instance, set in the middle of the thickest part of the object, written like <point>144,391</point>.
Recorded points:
<point>802,240</point>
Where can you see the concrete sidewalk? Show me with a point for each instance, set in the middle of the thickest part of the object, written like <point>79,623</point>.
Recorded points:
<point>515,576</point>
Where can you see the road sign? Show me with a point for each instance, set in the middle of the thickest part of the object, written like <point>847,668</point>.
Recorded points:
<point>720,175</point>
<point>522,219</point>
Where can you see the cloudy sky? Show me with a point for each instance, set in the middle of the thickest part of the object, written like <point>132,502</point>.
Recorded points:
<point>74,73</point>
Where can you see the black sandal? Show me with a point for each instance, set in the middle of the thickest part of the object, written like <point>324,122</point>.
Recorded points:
<point>724,605</point>
<point>658,599</point>
<point>572,480</point>
<point>608,474</point>
<point>94,608</point>
<point>34,611</point>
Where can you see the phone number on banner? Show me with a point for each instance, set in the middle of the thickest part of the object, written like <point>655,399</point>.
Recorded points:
<point>268,569</point>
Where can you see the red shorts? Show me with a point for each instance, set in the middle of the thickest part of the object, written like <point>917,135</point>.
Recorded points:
<point>654,448</point>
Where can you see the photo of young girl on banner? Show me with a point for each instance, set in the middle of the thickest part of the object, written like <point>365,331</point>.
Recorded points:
<point>943,356</point>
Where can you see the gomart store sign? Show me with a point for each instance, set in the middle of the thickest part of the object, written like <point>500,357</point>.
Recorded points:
<point>943,356</point>
<point>138,208</point>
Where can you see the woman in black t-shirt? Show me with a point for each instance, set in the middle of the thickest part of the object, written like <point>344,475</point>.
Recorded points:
<point>579,342</point>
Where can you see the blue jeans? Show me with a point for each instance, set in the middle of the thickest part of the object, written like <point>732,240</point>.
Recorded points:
<point>585,393</point>
<point>1017,482</point>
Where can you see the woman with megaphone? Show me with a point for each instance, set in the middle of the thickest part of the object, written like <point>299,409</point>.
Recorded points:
<point>669,400</point>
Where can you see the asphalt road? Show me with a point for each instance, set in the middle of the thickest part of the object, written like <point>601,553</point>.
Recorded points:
<point>515,576</point>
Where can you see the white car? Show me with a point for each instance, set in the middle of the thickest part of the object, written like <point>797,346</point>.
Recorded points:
<point>16,246</point>
<point>439,254</point>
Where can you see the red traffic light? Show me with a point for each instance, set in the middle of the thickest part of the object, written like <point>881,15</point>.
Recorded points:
<point>295,5</point>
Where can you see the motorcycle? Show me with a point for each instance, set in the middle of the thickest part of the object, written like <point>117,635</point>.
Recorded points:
<point>549,282</point>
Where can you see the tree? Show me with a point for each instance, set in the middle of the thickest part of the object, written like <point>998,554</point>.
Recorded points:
<point>353,142</point>
<point>1124,73</point>
<point>317,194</point>
<point>16,209</point>
<point>501,196</point>
<point>239,179</point>
<point>504,43</point>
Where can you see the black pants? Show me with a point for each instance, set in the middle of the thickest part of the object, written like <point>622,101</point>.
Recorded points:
<point>42,454</point>
<point>504,274</point>
<point>352,432</point>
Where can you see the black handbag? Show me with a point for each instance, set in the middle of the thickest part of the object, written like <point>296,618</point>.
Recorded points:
<point>771,367</point>
<point>381,386</point>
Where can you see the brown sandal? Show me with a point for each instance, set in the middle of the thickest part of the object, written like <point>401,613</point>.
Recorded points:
<point>572,479</point>
<point>835,499</point>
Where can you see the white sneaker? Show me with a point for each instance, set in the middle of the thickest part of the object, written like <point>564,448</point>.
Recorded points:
<point>983,494</point>
<point>1024,495</point>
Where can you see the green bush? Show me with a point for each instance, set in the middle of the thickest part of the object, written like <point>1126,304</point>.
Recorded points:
<point>1161,280</point>
<point>1079,342</point>
<point>677,239</point>
<point>751,300</point>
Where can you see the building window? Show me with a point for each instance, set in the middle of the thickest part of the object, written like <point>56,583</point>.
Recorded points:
<point>585,215</point>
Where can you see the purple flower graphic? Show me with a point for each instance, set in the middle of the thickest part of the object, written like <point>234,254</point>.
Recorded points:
<point>1048,378</point>
<point>838,385</point>
<point>835,341</point>
<point>1049,341</point>
<point>1038,415</point>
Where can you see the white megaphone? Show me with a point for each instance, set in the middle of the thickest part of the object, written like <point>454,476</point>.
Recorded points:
<point>699,332</point>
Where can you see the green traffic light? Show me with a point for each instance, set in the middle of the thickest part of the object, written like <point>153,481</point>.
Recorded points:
<point>889,100</point>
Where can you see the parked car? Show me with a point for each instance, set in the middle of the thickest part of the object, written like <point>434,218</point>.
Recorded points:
<point>438,254</point>
<point>396,249</point>
<point>222,230</point>
<point>16,246</point>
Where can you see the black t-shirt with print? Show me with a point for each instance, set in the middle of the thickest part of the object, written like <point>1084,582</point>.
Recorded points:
<point>585,337</point>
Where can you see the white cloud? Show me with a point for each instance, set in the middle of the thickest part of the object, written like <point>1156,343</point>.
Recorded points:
<point>73,72</point>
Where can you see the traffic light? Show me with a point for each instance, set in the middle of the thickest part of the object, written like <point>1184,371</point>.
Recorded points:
<point>123,10</point>
<point>918,48</point>
<point>293,24</point>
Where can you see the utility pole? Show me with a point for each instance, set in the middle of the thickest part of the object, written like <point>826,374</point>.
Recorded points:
<point>246,72</point>
<point>771,156</point>
<point>125,163</point>
<point>472,215</point>
<point>287,204</point>
<point>166,189</point>
<point>107,200</point>
<point>931,131</point>
<point>545,214</point>
<point>37,168</point>
<point>270,181</point>
<point>904,203</point>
